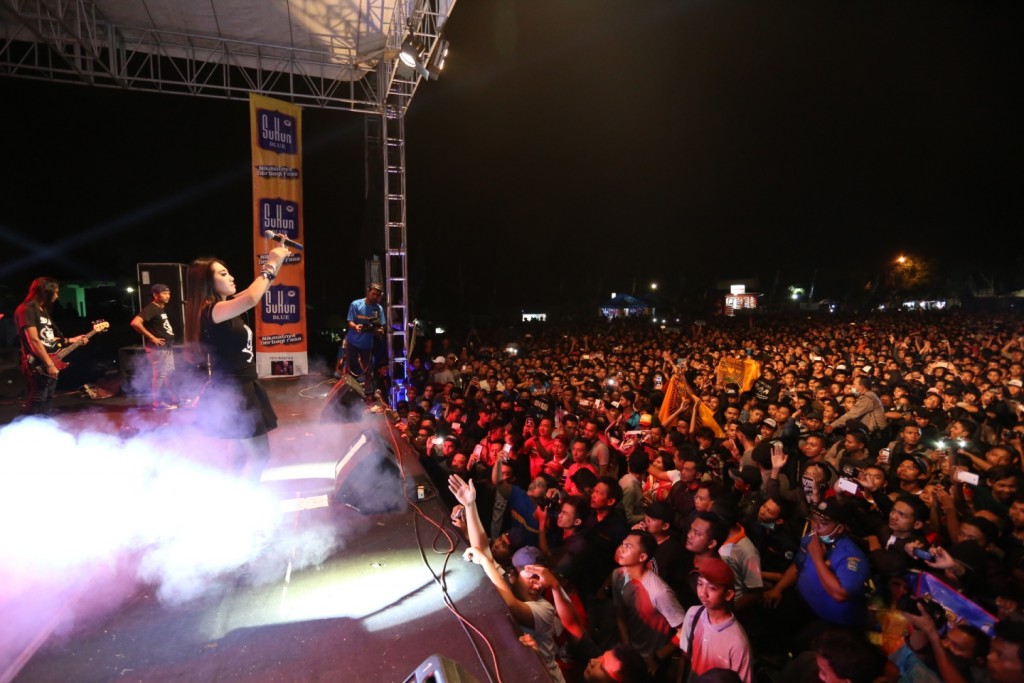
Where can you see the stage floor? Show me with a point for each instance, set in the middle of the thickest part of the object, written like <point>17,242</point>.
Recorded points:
<point>329,594</point>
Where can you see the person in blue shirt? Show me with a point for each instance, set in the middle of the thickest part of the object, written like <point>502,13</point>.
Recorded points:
<point>830,571</point>
<point>365,322</point>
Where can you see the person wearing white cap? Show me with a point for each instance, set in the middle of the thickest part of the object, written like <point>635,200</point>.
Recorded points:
<point>440,373</point>
<point>1015,395</point>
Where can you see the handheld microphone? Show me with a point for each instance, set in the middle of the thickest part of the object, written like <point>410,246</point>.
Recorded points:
<point>278,237</point>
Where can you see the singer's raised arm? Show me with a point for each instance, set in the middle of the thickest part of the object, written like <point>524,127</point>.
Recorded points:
<point>251,295</point>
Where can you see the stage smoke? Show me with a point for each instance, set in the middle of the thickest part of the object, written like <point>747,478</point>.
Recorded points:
<point>88,517</point>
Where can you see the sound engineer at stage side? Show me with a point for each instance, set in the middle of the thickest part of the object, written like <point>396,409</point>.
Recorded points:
<point>365,325</point>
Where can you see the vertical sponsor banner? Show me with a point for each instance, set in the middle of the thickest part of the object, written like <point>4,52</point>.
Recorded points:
<point>281,341</point>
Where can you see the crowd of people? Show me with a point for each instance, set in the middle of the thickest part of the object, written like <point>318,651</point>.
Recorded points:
<point>846,508</point>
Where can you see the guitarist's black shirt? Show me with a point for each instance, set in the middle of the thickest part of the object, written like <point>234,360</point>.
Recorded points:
<point>28,315</point>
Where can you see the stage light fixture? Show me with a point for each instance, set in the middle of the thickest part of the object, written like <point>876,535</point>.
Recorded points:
<point>437,59</point>
<point>412,51</point>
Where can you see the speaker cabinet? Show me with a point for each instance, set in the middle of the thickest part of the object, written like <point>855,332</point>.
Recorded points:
<point>12,382</point>
<point>366,476</point>
<point>440,669</point>
<point>136,374</point>
<point>346,401</point>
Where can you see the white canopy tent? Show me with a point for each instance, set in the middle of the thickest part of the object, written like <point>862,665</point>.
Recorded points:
<point>340,54</point>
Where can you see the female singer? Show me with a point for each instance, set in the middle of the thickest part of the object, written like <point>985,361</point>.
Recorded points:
<point>235,406</point>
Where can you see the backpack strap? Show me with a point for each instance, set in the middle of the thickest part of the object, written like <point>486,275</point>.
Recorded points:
<point>693,628</point>
<point>686,663</point>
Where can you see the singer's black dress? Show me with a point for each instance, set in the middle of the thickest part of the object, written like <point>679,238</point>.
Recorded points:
<point>234,406</point>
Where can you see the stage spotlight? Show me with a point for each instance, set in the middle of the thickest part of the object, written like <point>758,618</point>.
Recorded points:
<point>412,52</point>
<point>412,55</point>
<point>437,59</point>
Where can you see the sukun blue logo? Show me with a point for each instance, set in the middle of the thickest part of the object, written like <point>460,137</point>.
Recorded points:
<point>281,305</point>
<point>280,216</point>
<point>277,132</point>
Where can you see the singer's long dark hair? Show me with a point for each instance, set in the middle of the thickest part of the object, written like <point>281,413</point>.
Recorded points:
<point>199,283</point>
<point>41,292</point>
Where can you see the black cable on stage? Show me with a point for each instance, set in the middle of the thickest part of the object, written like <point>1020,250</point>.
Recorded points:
<point>441,581</point>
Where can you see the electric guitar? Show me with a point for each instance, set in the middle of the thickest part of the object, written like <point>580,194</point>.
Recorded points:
<point>58,356</point>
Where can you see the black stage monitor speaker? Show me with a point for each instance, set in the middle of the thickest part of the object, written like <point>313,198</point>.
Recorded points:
<point>346,401</point>
<point>136,372</point>
<point>12,382</point>
<point>440,669</point>
<point>366,476</point>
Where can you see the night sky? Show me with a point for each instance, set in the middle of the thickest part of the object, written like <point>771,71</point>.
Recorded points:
<point>571,149</point>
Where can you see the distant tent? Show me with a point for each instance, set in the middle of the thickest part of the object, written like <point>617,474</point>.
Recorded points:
<point>624,306</point>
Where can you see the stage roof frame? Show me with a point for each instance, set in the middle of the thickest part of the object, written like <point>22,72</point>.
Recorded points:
<point>329,54</point>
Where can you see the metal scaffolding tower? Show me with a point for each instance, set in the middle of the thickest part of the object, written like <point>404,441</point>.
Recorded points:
<point>390,133</point>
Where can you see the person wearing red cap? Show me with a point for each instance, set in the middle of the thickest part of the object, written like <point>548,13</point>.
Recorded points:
<point>711,638</point>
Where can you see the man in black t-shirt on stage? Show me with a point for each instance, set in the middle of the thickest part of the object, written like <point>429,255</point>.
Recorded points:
<point>155,327</point>
<point>39,336</point>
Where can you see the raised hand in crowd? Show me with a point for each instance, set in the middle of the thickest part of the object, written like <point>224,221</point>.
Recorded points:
<point>779,458</point>
<point>464,492</point>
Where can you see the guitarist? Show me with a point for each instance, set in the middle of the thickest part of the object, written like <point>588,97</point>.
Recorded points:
<point>39,337</point>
